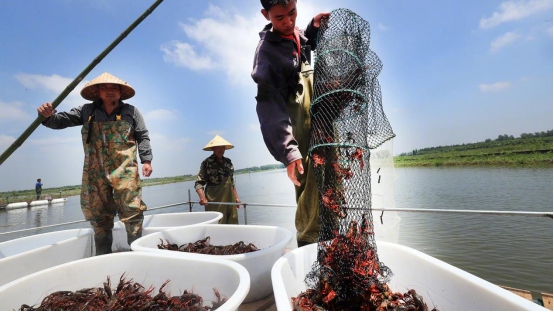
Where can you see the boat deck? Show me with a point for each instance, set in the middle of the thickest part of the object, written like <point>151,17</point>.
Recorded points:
<point>544,298</point>
<point>268,303</point>
<point>265,304</point>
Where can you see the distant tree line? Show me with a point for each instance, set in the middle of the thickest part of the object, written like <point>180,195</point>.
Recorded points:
<point>260,168</point>
<point>75,189</point>
<point>500,138</point>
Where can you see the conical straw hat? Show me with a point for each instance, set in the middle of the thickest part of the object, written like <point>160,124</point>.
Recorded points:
<point>90,92</point>
<point>218,141</point>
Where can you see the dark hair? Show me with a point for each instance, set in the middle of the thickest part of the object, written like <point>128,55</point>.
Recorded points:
<point>38,180</point>
<point>268,4</point>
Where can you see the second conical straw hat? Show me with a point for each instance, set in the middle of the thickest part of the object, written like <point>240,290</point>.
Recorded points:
<point>218,141</point>
<point>90,91</point>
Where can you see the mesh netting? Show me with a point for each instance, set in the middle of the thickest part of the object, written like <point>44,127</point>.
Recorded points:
<point>348,123</point>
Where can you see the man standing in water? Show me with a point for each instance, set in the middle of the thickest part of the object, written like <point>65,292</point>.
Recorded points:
<point>111,132</point>
<point>38,188</point>
<point>283,74</point>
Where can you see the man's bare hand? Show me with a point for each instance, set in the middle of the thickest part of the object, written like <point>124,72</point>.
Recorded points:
<point>46,110</point>
<point>146,169</point>
<point>297,164</point>
<point>203,201</point>
<point>317,18</point>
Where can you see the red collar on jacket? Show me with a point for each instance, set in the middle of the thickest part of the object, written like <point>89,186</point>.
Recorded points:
<point>295,37</point>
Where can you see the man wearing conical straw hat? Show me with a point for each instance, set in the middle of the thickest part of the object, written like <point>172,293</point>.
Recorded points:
<point>111,131</point>
<point>216,175</point>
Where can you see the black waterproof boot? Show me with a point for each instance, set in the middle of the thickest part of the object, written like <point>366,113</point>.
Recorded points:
<point>103,244</point>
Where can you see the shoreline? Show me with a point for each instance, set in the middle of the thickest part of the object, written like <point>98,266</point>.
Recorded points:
<point>72,190</point>
<point>532,160</point>
<point>453,162</point>
<point>518,152</point>
<point>542,158</point>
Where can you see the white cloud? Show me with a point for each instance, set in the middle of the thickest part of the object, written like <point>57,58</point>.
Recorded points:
<point>54,84</point>
<point>5,141</point>
<point>497,86</point>
<point>160,114</point>
<point>254,127</point>
<point>210,47</point>
<point>382,27</point>
<point>503,41</point>
<point>13,111</point>
<point>183,54</point>
<point>514,10</point>
<point>214,132</point>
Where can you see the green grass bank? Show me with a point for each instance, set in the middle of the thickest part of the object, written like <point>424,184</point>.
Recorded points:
<point>503,151</point>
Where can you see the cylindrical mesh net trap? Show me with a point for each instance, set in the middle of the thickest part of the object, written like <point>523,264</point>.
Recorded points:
<point>348,123</point>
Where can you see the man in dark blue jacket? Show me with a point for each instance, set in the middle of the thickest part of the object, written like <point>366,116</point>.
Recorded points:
<point>38,188</point>
<point>284,77</point>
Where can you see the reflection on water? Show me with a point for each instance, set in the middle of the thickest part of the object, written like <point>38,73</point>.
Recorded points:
<point>511,251</point>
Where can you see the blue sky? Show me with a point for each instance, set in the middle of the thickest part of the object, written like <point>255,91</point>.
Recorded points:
<point>454,72</point>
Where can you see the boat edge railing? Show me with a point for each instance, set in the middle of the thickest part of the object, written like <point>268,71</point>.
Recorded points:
<point>244,205</point>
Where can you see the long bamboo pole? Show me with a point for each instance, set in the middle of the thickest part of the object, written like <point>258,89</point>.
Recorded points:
<point>17,143</point>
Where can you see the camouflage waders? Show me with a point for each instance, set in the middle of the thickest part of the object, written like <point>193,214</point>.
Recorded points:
<point>307,211</point>
<point>111,182</point>
<point>223,192</point>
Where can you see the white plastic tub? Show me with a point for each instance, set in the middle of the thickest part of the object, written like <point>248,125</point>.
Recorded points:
<point>23,256</point>
<point>271,241</point>
<point>442,285</point>
<point>200,275</point>
<point>160,222</point>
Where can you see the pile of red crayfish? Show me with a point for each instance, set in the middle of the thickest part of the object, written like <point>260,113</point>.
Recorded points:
<point>128,296</point>
<point>349,263</point>
<point>203,247</point>
<point>381,300</point>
